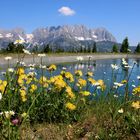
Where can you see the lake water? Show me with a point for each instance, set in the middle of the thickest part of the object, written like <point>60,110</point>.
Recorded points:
<point>102,70</point>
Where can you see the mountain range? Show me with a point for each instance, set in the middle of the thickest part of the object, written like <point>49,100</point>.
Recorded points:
<point>65,37</point>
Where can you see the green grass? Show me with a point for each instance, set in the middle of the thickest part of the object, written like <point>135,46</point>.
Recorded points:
<point>57,107</point>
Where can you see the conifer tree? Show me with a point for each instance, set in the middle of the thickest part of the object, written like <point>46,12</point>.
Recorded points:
<point>115,48</point>
<point>94,50</point>
<point>137,50</point>
<point>124,46</point>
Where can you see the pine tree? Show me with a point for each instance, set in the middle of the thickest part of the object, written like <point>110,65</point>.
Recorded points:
<point>94,50</point>
<point>11,47</point>
<point>115,48</point>
<point>89,49</point>
<point>15,48</point>
<point>47,48</point>
<point>124,46</point>
<point>137,50</point>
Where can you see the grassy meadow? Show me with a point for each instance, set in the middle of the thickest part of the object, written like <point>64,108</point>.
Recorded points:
<point>61,107</point>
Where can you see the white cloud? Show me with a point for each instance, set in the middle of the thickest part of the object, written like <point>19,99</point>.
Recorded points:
<point>66,11</point>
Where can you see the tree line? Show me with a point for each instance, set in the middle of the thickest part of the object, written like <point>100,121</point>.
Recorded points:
<point>125,47</point>
<point>18,48</point>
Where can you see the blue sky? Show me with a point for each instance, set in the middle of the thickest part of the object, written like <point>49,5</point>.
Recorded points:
<point>120,17</point>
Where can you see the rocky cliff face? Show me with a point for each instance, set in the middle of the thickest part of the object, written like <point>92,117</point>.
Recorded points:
<point>65,37</point>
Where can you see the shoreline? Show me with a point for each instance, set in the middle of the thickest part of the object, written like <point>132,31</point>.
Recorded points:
<point>64,58</point>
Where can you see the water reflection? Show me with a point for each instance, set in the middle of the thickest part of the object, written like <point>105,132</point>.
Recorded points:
<point>101,69</point>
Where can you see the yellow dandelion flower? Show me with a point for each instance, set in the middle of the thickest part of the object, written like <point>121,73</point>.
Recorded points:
<point>24,114</point>
<point>52,67</point>
<point>22,92</point>
<point>24,99</point>
<point>0,81</point>
<point>101,84</point>
<point>81,82</point>
<point>20,82</point>
<point>20,71</point>
<point>29,80</point>
<point>3,86</point>
<point>136,91</point>
<point>69,76</point>
<point>33,88</point>
<point>70,106</point>
<point>42,80</point>
<point>70,93</point>
<point>78,73</point>
<point>4,83</point>
<point>124,81</point>
<point>136,104</point>
<point>89,74</point>
<point>85,93</point>
<point>92,81</point>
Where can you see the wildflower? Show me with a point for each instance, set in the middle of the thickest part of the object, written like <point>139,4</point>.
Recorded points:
<point>15,121</point>
<point>23,94</point>
<point>8,58</point>
<point>68,76</point>
<point>33,88</point>
<point>124,62</point>
<point>23,114</point>
<point>92,81</point>
<point>118,84</point>
<point>124,81</point>
<point>79,58</point>
<point>133,86</point>
<point>22,63</point>
<point>85,93</point>
<point>57,82</point>
<point>10,70</point>
<point>70,106</point>
<point>70,93</point>
<point>20,71</point>
<point>31,74</point>
<point>42,66</point>
<point>52,67</point>
<point>89,74</point>
<point>26,51</point>
<point>138,77</point>
<point>114,66</point>
<point>42,55</point>
<point>136,104</point>
<point>78,73</point>
<point>120,110</point>
<point>115,96</point>
<point>19,41</point>
<point>20,81</point>
<point>8,114</point>
<point>1,113</point>
<point>136,91</point>
<point>81,83</point>
<point>42,79</point>
<point>127,66</point>
<point>2,86</point>
<point>101,84</point>
<point>0,96</point>
<point>31,65</point>
<point>64,68</point>
<point>89,56</point>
